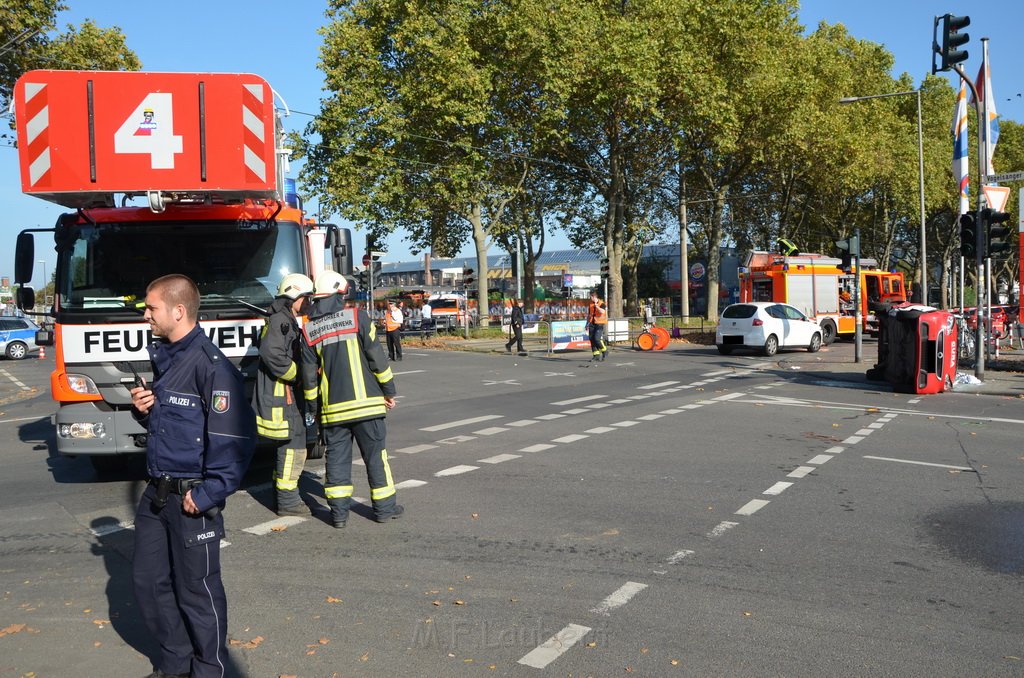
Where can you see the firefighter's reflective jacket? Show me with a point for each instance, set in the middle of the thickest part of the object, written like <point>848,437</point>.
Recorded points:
<point>286,381</point>
<point>354,373</point>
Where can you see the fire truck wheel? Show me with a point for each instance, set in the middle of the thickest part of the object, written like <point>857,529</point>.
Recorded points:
<point>771,345</point>
<point>828,332</point>
<point>815,344</point>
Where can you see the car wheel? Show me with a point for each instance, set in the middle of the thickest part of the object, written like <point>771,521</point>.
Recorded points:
<point>828,333</point>
<point>315,450</point>
<point>771,345</point>
<point>17,350</point>
<point>724,350</point>
<point>815,344</point>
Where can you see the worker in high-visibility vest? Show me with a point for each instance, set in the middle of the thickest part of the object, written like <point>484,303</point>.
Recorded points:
<point>393,321</point>
<point>597,321</point>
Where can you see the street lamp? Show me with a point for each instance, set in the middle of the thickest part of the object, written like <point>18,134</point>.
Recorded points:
<point>920,172</point>
<point>40,261</point>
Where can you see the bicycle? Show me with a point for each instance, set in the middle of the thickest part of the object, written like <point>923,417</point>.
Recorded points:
<point>965,338</point>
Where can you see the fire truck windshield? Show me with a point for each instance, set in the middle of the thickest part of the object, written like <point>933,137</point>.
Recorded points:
<point>108,265</point>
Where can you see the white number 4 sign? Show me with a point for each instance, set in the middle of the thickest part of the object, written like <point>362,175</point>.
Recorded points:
<point>149,130</point>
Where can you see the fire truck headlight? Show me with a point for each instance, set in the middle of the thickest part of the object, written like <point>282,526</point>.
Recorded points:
<point>82,430</point>
<point>82,384</point>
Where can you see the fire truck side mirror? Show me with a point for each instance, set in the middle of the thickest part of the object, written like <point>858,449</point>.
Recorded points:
<point>26,298</point>
<point>339,243</point>
<point>24,258</point>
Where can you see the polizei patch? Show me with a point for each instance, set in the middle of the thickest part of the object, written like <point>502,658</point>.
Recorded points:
<point>221,401</point>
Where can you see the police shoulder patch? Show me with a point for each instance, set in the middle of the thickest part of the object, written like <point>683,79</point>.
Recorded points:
<point>221,401</point>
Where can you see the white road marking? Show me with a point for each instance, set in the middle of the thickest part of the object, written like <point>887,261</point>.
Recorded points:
<point>721,528</point>
<point>582,399</point>
<point>281,523</point>
<point>455,440</point>
<point>17,383</point>
<point>819,459</point>
<point>691,406</point>
<point>660,384</point>
<point>877,425</point>
<point>619,401</point>
<point>729,396</point>
<point>111,528</point>
<point>455,470</point>
<point>509,382</point>
<point>752,507</point>
<point>408,372</point>
<point>554,647</point>
<point>598,406</point>
<point>800,471</point>
<point>625,424</point>
<point>539,447</point>
<point>549,417</point>
<point>778,488</point>
<point>853,440</point>
<point>718,373</point>
<point>641,396</point>
<point>914,401</point>
<point>497,459</point>
<point>673,411</point>
<point>619,598</point>
<point>920,463</point>
<point>490,431</point>
<point>461,422</point>
<point>865,432</point>
<point>601,429</point>
<point>559,374</point>
<point>407,484</point>
<point>414,449</point>
<point>650,417</point>
<point>679,555</point>
<point>577,410</point>
<point>570,438</point>
<point>834,450</point>
<point>522,422</point>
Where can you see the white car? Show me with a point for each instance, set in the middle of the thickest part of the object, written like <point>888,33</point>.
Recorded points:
<point>766,326</point>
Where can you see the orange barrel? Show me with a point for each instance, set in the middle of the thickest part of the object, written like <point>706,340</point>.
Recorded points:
<point>646,341</point>
<point>661,337</point>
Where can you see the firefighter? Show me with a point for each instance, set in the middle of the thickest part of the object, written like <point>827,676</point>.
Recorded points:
<point>201,437</point>
<point>286,389</point>
<point>597,320</point>
<point>356,391</point>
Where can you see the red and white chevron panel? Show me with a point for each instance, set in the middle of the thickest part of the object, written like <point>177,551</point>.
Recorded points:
<point>255,137</point>
<point>37,133</point>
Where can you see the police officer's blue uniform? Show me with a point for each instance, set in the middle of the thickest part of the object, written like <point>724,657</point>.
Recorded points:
<point>202,435</point>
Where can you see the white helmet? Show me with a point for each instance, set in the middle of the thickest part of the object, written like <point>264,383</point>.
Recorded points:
<point>330,282</point>
<point>295,285</point>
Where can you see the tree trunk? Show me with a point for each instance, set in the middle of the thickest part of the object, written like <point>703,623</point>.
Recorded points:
<point>480,241</point>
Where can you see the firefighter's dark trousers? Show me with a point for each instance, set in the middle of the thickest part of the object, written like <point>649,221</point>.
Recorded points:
<point>370,436</point>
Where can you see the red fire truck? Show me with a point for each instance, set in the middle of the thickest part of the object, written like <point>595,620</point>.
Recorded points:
<point>817,285</point>
<point>200,152</point>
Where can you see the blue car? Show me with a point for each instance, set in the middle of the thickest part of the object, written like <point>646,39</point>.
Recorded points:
<point>17,337</point>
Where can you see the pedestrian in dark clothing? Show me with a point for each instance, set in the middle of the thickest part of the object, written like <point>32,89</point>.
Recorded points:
<point>201,437</point>
<point>393,321</point>
<point>516,327</point>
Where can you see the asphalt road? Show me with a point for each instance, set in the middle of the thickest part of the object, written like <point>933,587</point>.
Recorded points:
<point>660,514</point>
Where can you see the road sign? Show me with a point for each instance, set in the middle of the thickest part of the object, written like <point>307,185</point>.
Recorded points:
<point>1009,176</point>
<point>366,260</point>
<point>995,196</point>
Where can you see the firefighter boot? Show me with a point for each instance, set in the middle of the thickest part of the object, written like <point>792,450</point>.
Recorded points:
<point>289,503</point>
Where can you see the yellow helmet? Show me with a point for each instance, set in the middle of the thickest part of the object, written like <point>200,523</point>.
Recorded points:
<point>295,285</point>
<point>330,282</point>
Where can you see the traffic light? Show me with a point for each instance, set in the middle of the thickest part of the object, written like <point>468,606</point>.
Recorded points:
<point>968,236</point>
<point>995,231</point>
<point>467,277</point>
<point>363,279</point>
<point>604,268</point>
<point>948,50</point>
<point>848,249</point>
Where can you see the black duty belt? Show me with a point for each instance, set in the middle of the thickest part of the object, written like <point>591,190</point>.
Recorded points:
<point>177,485</point>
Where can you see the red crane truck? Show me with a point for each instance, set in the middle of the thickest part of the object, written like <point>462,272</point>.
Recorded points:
<point>200,152</point>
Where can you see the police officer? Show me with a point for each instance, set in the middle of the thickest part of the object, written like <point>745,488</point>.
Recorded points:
<point>286,389</point>
<point>201,439</point>
<point>356,391</point>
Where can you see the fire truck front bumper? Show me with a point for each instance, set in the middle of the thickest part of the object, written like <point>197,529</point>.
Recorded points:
<point>84,428</point>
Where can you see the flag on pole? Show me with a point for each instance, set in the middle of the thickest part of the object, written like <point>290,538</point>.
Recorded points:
<point>961,172</point>
<point>989,131</point>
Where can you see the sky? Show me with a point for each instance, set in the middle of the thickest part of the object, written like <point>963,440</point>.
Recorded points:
<point>279,42</point>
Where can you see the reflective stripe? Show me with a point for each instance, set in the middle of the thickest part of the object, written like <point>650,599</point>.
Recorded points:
<point>373,331</point>
<point>385,376</point>
<point>341,415</point>
<point>338,491</point>
<point>287,485</point>
<point>354,356</point>
<point>289,478</point>
<point>311,395</point>
<point>276,427</point>
<point>389,489</point>
<point>289,374</point>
